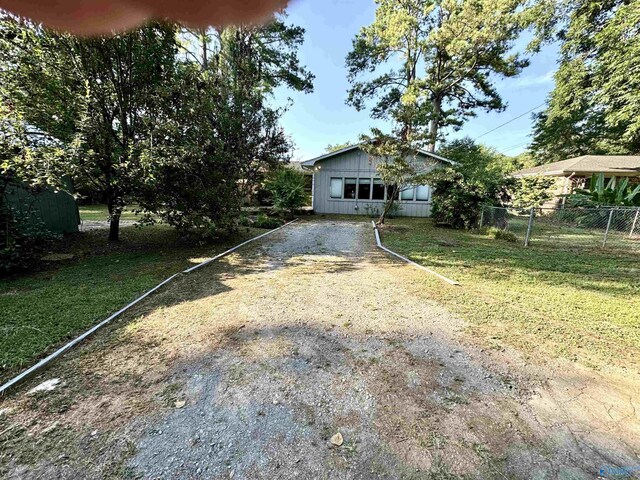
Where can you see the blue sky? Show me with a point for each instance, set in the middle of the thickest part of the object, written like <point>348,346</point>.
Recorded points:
<point>322,117</point>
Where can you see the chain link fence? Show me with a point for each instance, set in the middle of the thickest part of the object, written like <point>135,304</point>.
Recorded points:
<point>611,227</point>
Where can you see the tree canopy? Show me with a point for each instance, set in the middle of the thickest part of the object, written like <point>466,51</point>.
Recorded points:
<point>595,105</point>
<point>174,119</point>
<point>428,65</point>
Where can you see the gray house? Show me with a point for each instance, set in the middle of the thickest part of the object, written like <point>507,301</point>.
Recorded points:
<point>346,182</point>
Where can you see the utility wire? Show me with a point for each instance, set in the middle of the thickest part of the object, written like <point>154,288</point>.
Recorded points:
<point>513,147</point>
<point>512,120</point>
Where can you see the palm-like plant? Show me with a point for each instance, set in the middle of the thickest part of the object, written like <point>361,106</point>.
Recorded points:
<point>614,192</point>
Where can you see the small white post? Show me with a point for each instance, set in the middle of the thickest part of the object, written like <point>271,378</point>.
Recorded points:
<point>529,227</point>
<point>635,222</point>
<point>606,233</point>
<point>482,217</point>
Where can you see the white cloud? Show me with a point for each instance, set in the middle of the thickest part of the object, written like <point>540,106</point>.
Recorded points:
<point>533,81</point>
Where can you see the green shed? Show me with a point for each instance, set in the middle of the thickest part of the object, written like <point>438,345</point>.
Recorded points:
<point>56,209</point>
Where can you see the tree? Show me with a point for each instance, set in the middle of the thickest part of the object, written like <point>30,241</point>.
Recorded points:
<point>479,177</point>
<point>338,146</point>
<point>595,105</point>
<point>91,97</point>
<point>431,65</point>
<point>218,136</point>
<point>397,165</point>
<point>441,59</point>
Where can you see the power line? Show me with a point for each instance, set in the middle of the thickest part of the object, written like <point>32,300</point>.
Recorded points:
<point>512,120</point>
<point>513,147</point>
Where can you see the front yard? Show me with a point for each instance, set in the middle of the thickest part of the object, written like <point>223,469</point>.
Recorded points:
<point>41,311</point>
<point>581,304</point>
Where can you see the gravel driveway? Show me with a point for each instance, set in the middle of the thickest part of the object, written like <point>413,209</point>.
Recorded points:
<point>249,368</point>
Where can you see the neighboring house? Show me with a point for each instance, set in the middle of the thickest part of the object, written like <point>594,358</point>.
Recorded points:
<point>576,172</point>
<point>346,182</point>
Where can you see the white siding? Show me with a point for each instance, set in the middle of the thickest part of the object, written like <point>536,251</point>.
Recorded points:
<point>355,164</point>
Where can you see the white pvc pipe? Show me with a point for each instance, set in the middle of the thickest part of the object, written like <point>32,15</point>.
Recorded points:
<point>46,361</point>
<point>379,244</point>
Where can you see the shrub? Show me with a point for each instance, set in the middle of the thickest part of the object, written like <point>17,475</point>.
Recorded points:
<point>287,187</point>
<point>263,221</point>
<point>458,201</point>
<point>243,220</point>
<point>24,239</point>
<point>500,234</point>
<point>532,191</point>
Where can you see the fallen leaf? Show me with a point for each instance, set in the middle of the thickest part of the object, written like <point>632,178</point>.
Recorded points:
<point>337,439</point>
<point>180,403</point>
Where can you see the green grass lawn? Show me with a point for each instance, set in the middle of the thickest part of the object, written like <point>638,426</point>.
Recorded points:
<point>41,311</point>
<point>100,213</point>
<point>580,303</point>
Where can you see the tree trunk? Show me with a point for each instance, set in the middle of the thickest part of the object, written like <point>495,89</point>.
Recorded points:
<point>433,124</point>
<point>115,210</point>
<point>388,205</point>
<point>114,228</point>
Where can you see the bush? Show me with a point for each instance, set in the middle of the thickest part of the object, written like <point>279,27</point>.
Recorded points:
<point>530,192</point>
<point>263,221</point>
<point>24,239</point>
<point>457,201</point>
<point>500,234</point>
<point>287,187</point>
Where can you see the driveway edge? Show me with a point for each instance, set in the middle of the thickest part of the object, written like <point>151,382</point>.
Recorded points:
<point>42,364</point>
<point>411,262</point>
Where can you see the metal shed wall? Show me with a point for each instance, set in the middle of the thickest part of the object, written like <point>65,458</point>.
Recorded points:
<point>58,211</point>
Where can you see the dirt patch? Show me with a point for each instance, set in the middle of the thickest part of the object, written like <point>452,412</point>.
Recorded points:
<point>247,368</point>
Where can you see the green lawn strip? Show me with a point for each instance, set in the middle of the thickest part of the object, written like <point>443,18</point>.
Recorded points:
<point>100,213</point>
<point>40,312</point>
<point>581,304</point>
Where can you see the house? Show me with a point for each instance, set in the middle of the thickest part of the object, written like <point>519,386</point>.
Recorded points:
<point>346,182</point>
<point>586,165</point>
<point>575,172</point>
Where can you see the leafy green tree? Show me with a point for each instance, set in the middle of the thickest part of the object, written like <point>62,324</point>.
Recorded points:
<point>93,98</point>
<point>532,191</point>
<point>218,136</point>
<point>431,65</point>
<point>338,146</point>
<point>479,177</point>
<point>595,105</point>
<point>397,165</point>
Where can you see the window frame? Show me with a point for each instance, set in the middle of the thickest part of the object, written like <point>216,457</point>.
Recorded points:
<point>413,194</point>
<point>428,187</point>
<point>331,197</point>
<point>355,190</point>
<point>384,190</point>
<point>360,182</point>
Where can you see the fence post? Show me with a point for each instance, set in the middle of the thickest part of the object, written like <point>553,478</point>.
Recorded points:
<point>606,233</point>
<point>635,221</point>
<point>482,218</point>
<point>526,238</point>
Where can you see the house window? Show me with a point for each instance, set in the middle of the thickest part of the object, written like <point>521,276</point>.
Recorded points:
<point>377,193</point>
<point>407,193</point>
<point>390,191</point>
<point>335,188</point>
<point>364,188</point>
<point>422,193</point>
<point>349,188</point>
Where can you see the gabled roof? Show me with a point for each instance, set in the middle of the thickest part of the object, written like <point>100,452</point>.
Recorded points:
<point>621,165</point>
<point>313,161</point>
